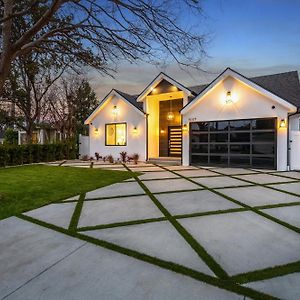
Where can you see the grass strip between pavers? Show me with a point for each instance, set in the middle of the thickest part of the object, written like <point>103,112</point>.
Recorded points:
<point>76,214</point>
<point>227,284</point>
<point>202,253</point>
<point>121,224</point>
<point>267,273</point>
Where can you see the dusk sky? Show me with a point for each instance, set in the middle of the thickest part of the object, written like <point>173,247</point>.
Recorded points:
<point>254,37</point>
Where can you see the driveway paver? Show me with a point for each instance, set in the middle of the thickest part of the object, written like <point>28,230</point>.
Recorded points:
<point>221,181</point>
<point>244,241</point>
<point>158,239</point>
<point>258,195</point>
<point>98,212</point>
<point>263,178</point>
<point>195,201</point>
<point>117,189</point>
<point>57,214</point>
<point>293,187</point>
<point>27,250</point>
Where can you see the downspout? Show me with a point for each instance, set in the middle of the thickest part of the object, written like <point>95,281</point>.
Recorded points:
<point>147,137</point>
<point>288,138</point>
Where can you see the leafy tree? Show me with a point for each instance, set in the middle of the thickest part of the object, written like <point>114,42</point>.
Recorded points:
<point>99,33</point>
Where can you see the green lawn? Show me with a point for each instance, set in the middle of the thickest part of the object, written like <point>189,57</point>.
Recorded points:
<point>28,187</point>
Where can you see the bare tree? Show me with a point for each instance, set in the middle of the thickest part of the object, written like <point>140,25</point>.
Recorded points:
<point>30,79</point>
<point>70,102</point>
<point>98,33</point>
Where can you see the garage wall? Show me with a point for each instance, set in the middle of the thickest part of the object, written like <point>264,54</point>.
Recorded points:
<point>248,104</point>
<point>136,142</point>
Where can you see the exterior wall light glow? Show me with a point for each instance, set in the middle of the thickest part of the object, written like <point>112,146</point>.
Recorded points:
<point>282,123</point>
<point>184,127</point>
<point>170,116</point>
<point>228,98</point>
<point>115,110</point>
<point>162,131</point>
<point>135,130</point>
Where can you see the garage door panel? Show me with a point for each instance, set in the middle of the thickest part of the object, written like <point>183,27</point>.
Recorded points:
<point>247,143</point>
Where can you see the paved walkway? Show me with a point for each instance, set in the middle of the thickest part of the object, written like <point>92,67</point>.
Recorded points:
<point>171,233</point>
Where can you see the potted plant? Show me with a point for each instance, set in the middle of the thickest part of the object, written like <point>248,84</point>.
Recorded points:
<point>110,158</point>
<point>123,155</point>
<point>135,157</point>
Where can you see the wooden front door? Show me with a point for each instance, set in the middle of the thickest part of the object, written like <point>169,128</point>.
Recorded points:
<point>175,140</point>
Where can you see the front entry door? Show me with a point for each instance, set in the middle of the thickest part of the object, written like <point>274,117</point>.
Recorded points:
<point>175,140</point>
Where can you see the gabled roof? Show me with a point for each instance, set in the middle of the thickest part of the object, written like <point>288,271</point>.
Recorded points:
<point>157,80</point>
<point>289,100</point>
<point>130,99</point>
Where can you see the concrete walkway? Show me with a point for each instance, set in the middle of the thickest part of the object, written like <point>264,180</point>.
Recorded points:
<point>172,233</point>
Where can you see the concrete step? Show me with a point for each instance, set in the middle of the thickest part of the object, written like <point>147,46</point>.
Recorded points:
<point>170,161</point>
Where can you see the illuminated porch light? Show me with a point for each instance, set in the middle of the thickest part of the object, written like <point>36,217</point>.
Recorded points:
<point>162,131</point>
<point>184,127</point>
<point>228,98</point>
<point>115,110</point>
<point>135,130</point>
<point>282,123</point>
<point>170,116</point>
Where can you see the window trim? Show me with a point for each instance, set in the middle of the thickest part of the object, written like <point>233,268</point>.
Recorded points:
<point>116,123</point>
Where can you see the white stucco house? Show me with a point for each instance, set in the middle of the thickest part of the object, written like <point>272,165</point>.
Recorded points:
<point>232,121</point>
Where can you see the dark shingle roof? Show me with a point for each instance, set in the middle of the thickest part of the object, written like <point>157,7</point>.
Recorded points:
<point>285,85</point>
<point>132,100</point>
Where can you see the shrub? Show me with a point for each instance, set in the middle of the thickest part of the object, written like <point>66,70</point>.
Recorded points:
<point>10,137</point>
<point>110,158</point>
<point>85,157</point>
<point>11,155</point>
<point>123,155</point>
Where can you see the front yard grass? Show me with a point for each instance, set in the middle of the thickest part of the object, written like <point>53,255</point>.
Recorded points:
<point>27,187</point>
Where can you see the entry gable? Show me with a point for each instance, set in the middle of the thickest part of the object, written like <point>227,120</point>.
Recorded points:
<point>107,98</point>
<point>164,83</point>
<point>231,73</point>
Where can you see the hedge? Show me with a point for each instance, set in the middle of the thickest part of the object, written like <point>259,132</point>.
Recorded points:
<point>11,155</point>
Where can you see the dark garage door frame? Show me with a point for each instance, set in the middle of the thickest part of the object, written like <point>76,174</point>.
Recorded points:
<point>217,143</point>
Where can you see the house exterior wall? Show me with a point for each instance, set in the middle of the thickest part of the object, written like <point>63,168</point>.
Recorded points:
<point>136,142</point>
<point>248,104</point>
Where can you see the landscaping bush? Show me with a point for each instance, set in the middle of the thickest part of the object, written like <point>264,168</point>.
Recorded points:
<point>11,155</point>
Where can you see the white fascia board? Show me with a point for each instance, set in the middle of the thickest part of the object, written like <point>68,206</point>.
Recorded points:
<point>156,81</point>
<point>229,72</point>
<point>106,99</point>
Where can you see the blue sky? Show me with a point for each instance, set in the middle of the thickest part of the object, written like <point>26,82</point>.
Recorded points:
<point>254,37</point>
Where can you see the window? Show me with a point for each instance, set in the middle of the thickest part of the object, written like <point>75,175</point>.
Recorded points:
<point>115,134</point>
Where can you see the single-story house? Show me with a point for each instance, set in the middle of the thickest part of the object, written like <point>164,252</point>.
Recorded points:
<point>232,121</point>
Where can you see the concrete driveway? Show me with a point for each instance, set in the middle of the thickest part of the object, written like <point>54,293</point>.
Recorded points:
<point>172,233</point>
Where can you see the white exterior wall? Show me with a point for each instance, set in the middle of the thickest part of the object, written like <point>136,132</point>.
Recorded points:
<point>136,142</point>
<point>248,104</point>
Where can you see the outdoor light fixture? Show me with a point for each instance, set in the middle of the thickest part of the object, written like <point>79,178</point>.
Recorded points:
<point>135,130</point>
<point>115,110</point>
<point>282,123</point>
<point>162,131</point>
<point>184,127</point>
<point>96,130</point>
<point>170,116</point>
<point>228,98</point>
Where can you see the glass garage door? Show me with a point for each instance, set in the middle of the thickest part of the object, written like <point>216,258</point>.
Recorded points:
<point>245,143</point>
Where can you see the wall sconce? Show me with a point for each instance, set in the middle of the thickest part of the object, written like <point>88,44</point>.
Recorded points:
<point>184,127</point>
<point>115,110</point>
<point>282,123</point>
<point>228,98</point>
<point>135,130</point>
<point>162,131</point>
<point>170,116</point>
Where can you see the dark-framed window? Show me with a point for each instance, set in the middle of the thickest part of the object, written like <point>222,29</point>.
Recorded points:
<point>116,134</point>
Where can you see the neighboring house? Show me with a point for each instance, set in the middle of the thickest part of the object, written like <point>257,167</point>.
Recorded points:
<point>41,136</point>
<point>233,121</point>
